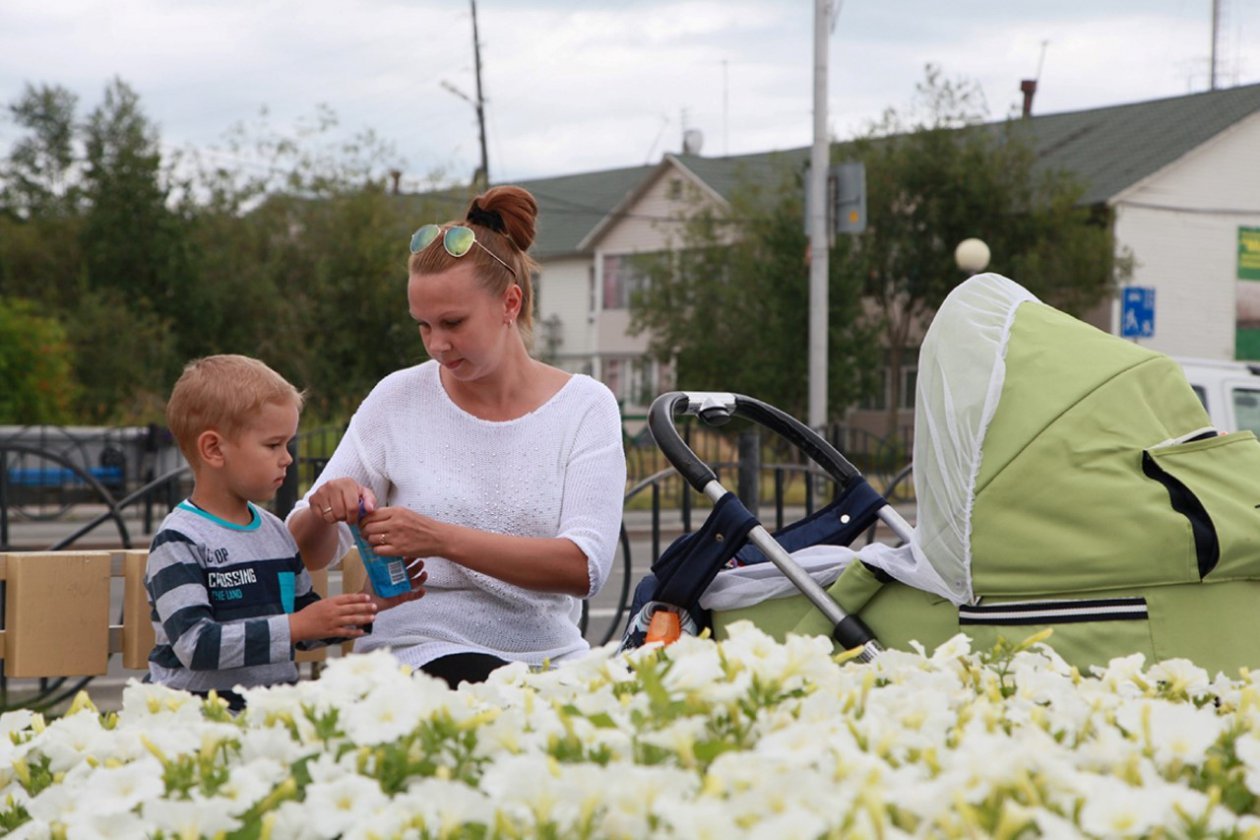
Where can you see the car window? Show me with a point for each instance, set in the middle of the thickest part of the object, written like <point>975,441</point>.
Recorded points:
<point>1201,393</point>
<point>1247,409</point>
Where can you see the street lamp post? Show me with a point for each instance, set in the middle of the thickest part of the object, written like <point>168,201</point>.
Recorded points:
<point>972,255</point>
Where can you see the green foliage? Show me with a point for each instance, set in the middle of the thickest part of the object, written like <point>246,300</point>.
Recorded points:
<point>37,179</point>
<point>298,260</point>
<point>124,357</point>
<point>36,383</point>
<point>935,177</point>
<point>729,303</point>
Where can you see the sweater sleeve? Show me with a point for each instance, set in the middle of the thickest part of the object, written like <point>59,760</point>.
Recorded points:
<point>352,459</point>
<point>594,486</point>
<point>177,588</point>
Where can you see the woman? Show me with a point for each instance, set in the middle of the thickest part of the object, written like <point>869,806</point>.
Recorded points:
<point>504,473</point>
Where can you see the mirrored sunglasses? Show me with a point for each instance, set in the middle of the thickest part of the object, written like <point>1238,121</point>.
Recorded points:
<point>457,240</point>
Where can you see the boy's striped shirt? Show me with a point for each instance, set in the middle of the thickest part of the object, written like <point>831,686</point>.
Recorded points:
<point>220,595</point>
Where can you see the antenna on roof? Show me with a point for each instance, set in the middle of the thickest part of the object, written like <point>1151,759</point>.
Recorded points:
<point>657,139</point>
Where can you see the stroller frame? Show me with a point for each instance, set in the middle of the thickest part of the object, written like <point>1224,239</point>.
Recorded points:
<point>715,409</point>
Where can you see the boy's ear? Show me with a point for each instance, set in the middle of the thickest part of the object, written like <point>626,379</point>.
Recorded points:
<point>210,448</point>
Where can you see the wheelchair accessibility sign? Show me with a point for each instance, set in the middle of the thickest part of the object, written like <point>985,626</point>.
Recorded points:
<point>1137,312</point>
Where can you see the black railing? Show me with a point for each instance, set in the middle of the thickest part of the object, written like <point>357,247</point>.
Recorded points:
<point>659,505</point>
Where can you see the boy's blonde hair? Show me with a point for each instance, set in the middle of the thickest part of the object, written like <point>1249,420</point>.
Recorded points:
<point>222,393</point>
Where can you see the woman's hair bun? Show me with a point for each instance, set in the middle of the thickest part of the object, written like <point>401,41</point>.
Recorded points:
<point>517,208</point>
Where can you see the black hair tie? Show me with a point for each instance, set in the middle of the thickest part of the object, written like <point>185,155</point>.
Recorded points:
<point>486,218</point>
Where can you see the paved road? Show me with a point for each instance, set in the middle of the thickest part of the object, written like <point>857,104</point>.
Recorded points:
<point>606,619</point>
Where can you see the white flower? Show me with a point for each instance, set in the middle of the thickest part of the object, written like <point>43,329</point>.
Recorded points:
<point>1122,675</point>
<point>1176,731</point>
<point>392,710</point>
<point>273,743</point>
<point>1179,676</point>
<point>107,825</point>
<point>31,830</point>
<point>15,721</point>
<point>701,819</point>
<point>108,790</point>
<point>189,818</point>
<point>957,647</point>
<point>1247,748</point>
<point>250,782</point>
<point>445,805</point>
<point>333,807</point>
<point>1116,809</point>
<point>150,704</point>
<point>69,739</point>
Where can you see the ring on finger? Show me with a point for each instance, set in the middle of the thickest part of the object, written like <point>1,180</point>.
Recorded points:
<point>328,510</point>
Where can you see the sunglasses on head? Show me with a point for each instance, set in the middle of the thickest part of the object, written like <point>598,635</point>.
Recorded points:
<point>457,240</point>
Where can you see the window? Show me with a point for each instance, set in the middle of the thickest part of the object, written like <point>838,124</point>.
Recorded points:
<point>909,381</point>
<point>590,287</point>
<point>642,381</point>
<point>632,379</point>
<point>621,279</point>
<point>1247,409</point>
<point>612,378</point>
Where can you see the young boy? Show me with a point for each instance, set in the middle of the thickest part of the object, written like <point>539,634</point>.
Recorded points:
<point>229,595</point>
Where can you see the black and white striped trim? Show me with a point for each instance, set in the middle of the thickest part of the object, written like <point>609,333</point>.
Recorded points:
<point>1055,612</point>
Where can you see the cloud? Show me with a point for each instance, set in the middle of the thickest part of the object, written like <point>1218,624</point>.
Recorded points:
<point>574,87</point>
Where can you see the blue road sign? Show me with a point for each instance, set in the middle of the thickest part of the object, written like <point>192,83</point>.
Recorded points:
<point>1137,312</point>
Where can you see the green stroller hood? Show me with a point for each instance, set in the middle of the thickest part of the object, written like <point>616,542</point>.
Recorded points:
<point>1052,457</point>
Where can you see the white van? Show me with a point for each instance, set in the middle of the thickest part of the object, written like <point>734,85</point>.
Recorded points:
<point>1229,390</point>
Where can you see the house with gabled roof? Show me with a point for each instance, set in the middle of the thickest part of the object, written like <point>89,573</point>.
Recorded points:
<point>1181,177</point>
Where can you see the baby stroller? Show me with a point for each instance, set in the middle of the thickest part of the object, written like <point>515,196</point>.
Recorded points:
<point>1065,478</point>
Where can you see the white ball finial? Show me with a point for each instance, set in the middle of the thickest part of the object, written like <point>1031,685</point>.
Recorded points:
<point>972,255</point>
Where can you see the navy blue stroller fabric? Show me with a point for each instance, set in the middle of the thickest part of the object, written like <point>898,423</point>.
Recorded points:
<point>684,570</point>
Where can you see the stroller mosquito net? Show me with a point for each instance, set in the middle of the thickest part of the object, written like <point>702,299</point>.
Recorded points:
<point>960,379</point>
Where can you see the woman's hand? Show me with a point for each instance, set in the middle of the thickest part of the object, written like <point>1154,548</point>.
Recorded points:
<point>339,501</point>
<point>399,532</point>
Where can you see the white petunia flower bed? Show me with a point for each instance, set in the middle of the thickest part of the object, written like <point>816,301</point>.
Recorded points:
<point>742,738</point>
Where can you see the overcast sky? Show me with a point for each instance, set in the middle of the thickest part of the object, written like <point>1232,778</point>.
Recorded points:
<point>579,86</point>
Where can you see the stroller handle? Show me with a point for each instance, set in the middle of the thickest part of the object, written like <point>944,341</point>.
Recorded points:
<point>715,408</point>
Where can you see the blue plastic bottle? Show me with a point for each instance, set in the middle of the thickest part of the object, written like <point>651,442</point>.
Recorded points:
<point>388,575</point>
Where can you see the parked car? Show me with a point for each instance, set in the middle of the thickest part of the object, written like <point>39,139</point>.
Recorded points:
<point>1229,390</point>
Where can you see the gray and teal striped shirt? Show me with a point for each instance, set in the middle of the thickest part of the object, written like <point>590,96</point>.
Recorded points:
<point>220,595</point>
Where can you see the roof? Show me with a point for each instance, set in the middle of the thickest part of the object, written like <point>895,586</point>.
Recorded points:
<point>1111,149</point>
<point>1108,149</point>
<point>571,206</point>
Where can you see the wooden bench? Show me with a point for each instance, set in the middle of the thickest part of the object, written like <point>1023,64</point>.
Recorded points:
<point>57,612</point>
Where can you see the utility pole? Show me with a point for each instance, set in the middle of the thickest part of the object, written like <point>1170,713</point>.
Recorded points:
<point>481,177</point>
<point>1216,26</point>
<point>818,240</point>
<point>484,181</point>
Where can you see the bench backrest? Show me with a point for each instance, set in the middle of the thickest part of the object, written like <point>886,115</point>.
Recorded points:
<point>57,605</point>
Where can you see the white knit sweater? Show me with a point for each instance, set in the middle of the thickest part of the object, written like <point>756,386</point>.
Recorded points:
<point>558,471</point>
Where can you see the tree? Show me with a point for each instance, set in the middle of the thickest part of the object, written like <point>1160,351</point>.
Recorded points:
<point>40,199</point>
<point>937,176</point>
<point>729,303</point>
<point>38,175</point>
<point>36,382</point>
<point>311,245</point>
